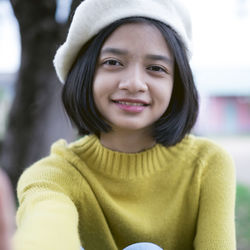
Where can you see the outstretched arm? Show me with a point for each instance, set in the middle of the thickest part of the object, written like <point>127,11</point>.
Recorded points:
<point>47,217</point>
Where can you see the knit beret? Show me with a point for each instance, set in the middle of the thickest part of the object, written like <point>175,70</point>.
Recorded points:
<point>91,16</point>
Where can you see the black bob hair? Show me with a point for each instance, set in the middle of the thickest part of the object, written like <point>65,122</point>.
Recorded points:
<point>77,94</point>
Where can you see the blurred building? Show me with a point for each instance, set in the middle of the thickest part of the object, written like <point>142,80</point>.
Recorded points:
<point>224,101</point>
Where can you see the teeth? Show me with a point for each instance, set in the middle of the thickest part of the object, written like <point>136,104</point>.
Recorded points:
<point>131,103</point>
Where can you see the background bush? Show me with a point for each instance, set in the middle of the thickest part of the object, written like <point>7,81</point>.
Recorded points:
<point>243,217</point>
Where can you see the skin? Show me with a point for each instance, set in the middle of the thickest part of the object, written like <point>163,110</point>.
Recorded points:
<point>135,65</point>
<point>6,212</point>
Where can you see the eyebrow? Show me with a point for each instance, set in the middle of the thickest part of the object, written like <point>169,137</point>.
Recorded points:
<point>114,51</point>
<point>154,57</point>
<point>160,58</point>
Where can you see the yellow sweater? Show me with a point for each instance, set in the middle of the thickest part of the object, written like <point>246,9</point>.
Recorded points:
<point>179,198</point>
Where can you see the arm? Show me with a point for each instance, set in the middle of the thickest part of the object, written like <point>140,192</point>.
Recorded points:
<point>47,217</point>
<point>216,218</point>
<point>6,212</point>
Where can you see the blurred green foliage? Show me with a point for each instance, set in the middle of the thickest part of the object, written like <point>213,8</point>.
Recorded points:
<point>243,217</point>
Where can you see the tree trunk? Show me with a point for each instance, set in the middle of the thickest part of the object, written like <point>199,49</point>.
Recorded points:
<point>37,116</point>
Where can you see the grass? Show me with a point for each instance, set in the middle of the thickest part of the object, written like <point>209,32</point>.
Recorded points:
<point>243,217</point>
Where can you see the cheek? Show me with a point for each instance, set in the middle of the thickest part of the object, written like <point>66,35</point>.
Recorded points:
<point>101,93</point>
<point>98,88</point>
<point>163,95</point>
<point>102,84</point>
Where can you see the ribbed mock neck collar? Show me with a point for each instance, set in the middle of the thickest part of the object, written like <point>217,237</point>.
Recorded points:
<point>123,165</point>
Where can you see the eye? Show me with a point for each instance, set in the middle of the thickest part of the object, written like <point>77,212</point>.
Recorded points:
<point>112,62</point>
<point>157,69</point>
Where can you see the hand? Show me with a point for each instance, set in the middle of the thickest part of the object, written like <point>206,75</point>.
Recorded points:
<point>7,212</point>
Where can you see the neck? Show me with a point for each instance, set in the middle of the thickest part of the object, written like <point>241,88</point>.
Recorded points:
<point>127,141</point>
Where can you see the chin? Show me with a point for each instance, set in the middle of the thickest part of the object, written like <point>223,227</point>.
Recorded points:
<point>130,126</point>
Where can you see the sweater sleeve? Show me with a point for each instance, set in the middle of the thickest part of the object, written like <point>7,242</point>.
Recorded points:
<point>47,217</point>
<point>216,218</point>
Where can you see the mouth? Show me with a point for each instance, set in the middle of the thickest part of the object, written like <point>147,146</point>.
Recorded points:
<point>131,105</point>
<point>131,102</point>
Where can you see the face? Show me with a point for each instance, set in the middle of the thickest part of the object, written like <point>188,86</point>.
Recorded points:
<point>134,77</point>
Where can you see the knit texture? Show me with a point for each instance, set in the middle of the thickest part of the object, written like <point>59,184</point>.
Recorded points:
<point>181,197</point>
<point>91,16</point>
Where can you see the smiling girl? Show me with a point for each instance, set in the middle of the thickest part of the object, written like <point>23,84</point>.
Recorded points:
<point>136,175</point>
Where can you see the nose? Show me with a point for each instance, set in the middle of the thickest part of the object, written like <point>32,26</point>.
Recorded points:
<point>134,80</point>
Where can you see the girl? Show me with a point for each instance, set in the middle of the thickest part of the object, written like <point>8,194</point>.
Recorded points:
<point>136,175</point>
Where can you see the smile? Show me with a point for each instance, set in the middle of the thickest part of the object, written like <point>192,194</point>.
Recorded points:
<point>130,103</point>
<point>131,106</point>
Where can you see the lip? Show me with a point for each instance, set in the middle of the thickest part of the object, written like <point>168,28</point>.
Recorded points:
<point>131,108</point>
<point>131,100</point>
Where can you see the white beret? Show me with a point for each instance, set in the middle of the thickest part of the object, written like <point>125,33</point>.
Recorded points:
<point>91,16</point>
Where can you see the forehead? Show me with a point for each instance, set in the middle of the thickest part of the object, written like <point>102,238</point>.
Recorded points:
<point>136,37</point>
